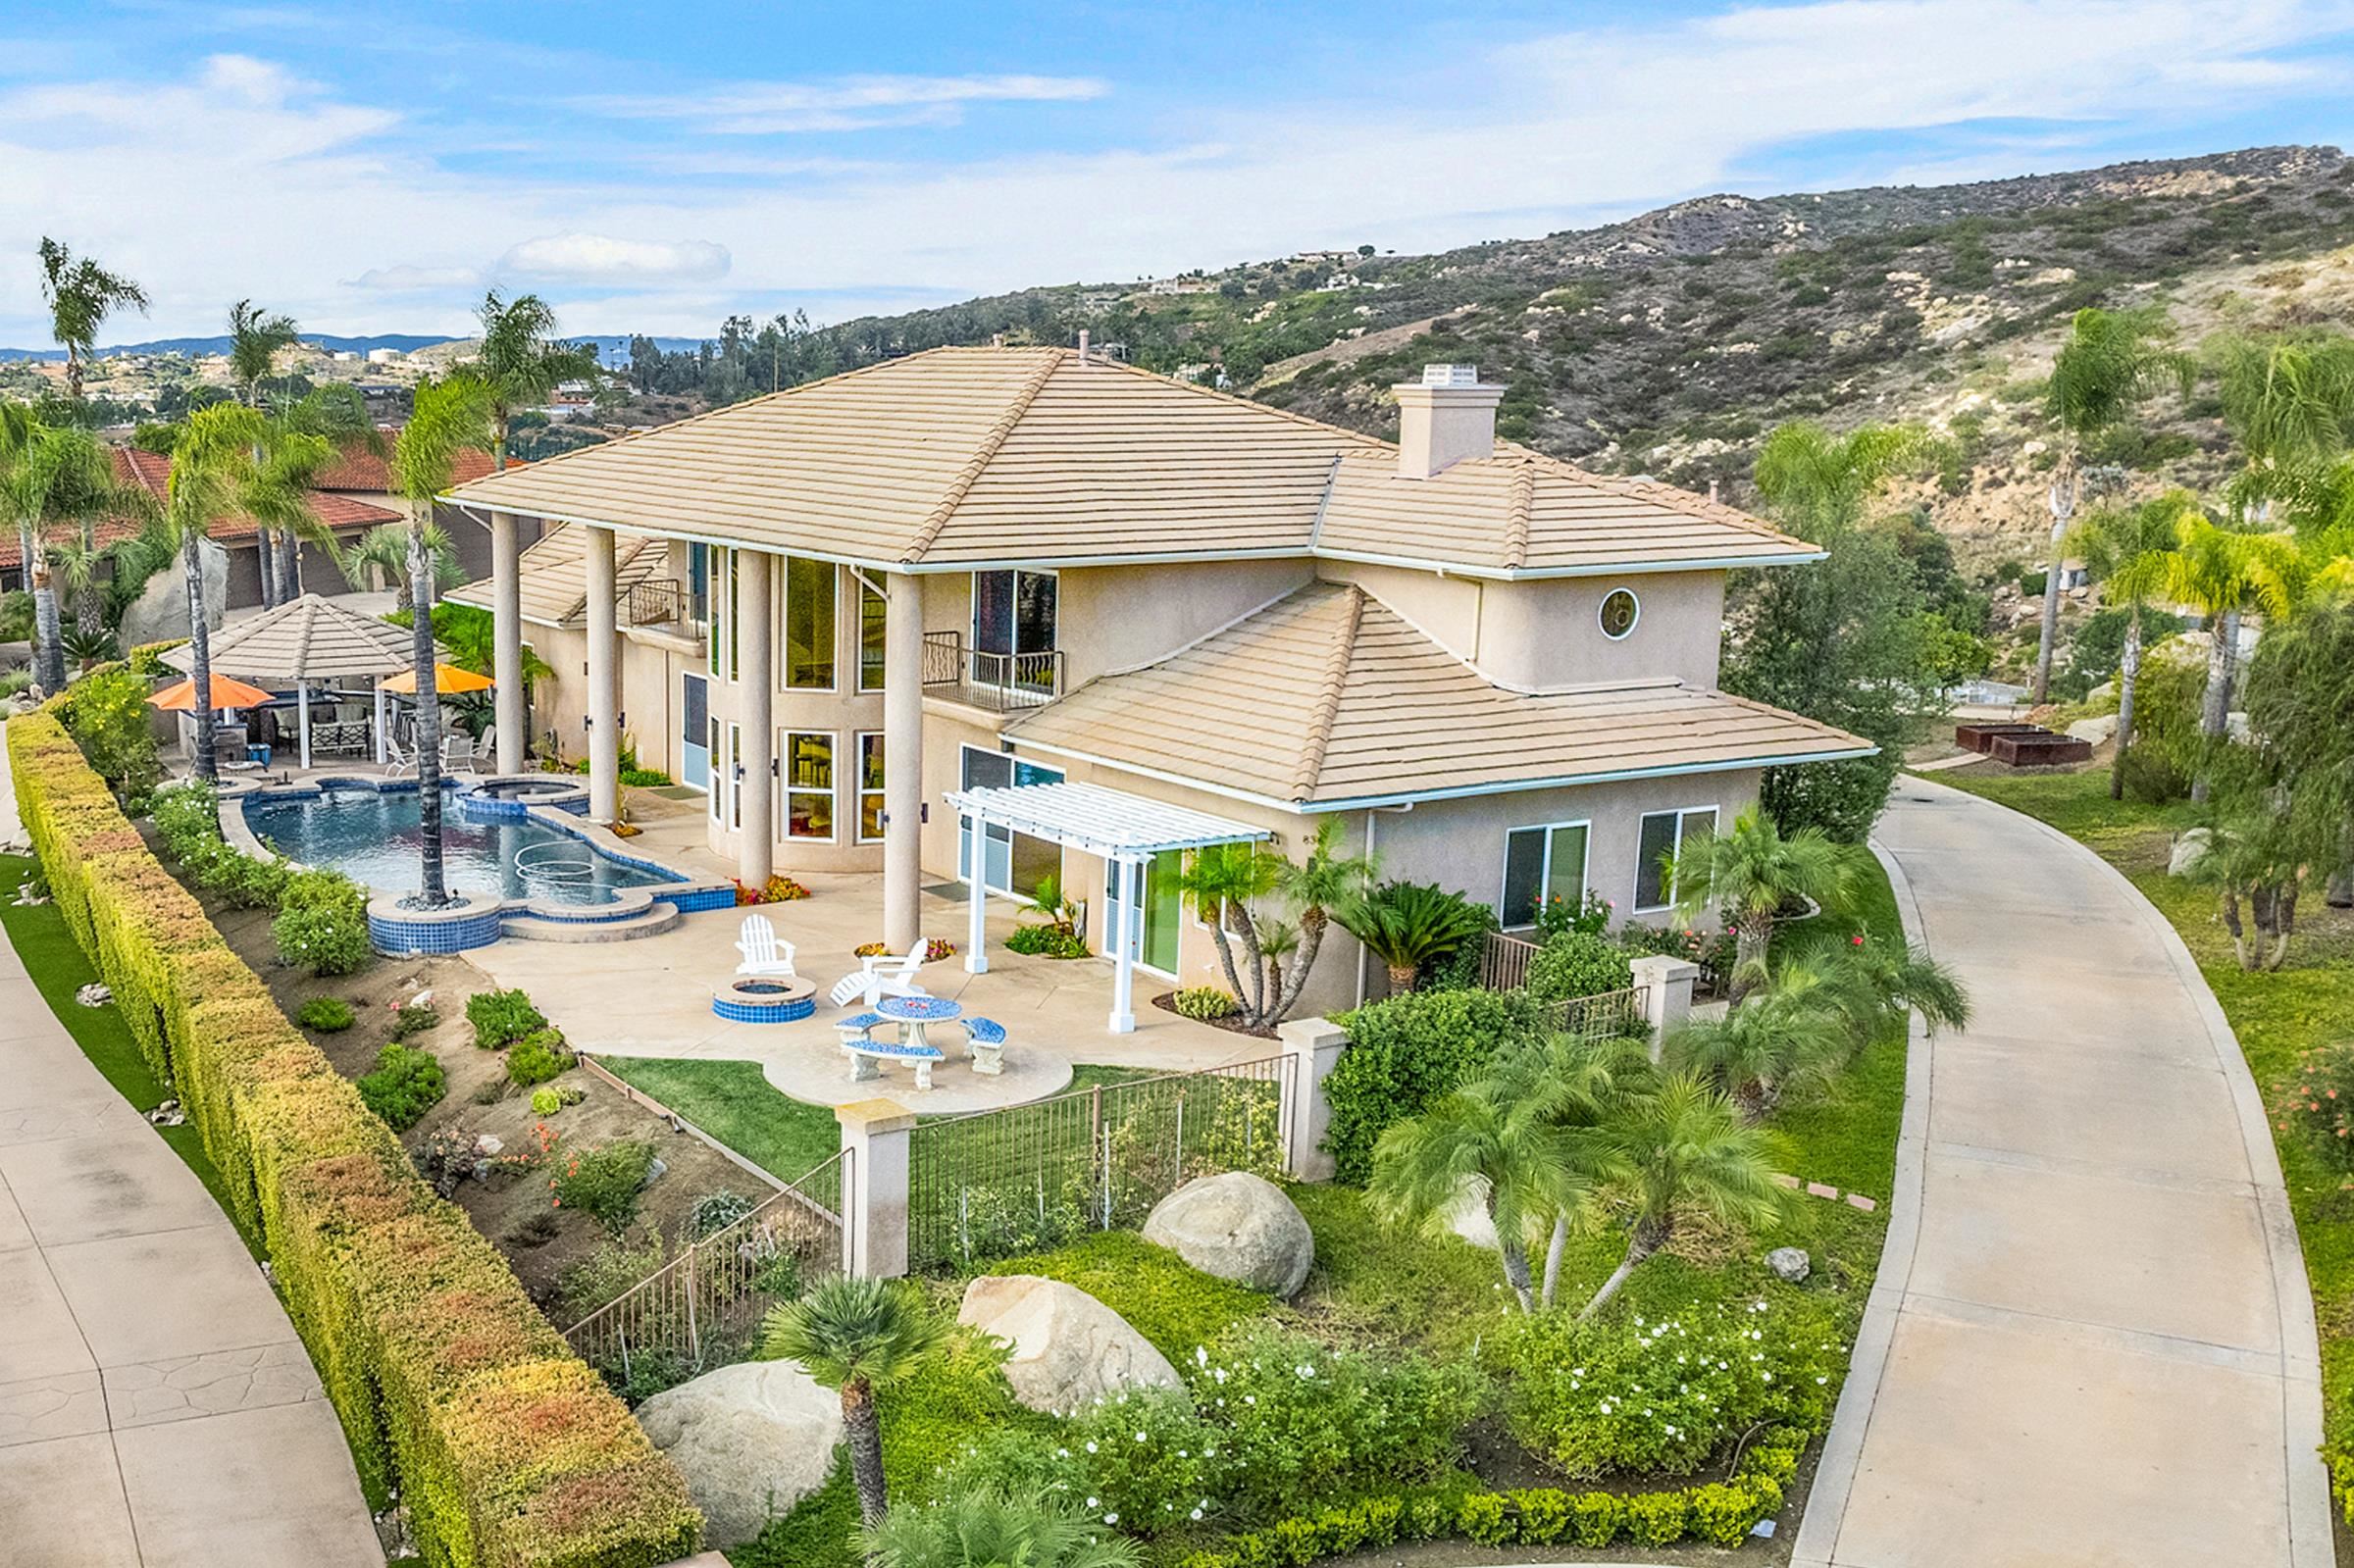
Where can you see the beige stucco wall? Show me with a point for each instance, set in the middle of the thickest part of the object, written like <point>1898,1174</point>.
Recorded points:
<point>1538,634</point>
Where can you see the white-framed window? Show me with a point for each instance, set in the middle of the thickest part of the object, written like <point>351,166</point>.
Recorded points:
<point>1658,838</point>
<point>870,785</point>
<point>1541,863</point>
<point>715,643</point>
<point>806,778</point>
<point>812,624</point>
<point>715,759</point>
<point>874,614</point>
<point>1618,613</point>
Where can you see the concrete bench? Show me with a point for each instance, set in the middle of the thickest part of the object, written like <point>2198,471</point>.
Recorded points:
<point>867,1054</point>
<point>987,1038</point>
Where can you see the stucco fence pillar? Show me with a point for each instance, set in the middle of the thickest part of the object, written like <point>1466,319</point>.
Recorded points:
<point>1314,1048</point>
<point>1665,985</point>
<point>875,1188</point>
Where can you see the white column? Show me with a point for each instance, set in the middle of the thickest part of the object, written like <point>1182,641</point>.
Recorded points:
<point>875,1200</point>
<point>1123,936</point>
<point>903,763</point>
<point>506,641</point>
<point>604,682</point>
<point>976,959</point>
<point>302,720</point>
<point>756,687</point>
<point>1313,1047</point>
<point>380,720</point>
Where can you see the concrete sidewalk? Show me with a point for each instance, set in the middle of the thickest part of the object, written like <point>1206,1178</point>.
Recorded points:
<point>155,1405</point>
<point>2092,1339</point>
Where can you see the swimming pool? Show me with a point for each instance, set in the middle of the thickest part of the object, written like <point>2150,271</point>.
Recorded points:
<point>372,837</point>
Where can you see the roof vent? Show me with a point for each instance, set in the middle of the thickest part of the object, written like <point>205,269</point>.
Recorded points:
<point>1443,418</point>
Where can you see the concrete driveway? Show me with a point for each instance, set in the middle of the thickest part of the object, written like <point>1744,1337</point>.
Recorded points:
<point>2092,1341</point>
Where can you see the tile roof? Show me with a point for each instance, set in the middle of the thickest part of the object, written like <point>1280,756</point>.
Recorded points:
<point>957,457</point>
<point>1348,703</point>
<point>359,468</point>
<point>309,638</point>
<point>151,471</point>
<point>552,574</point>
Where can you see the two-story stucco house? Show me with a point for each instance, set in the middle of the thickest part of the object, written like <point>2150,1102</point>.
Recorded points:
<point>936,584</point>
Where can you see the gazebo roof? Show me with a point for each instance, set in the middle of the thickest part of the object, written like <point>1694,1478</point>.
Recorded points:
<point>1100,820</point>
<point>310,638</point>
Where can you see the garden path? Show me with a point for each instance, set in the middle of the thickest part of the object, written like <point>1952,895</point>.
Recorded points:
<point>155,1405</point>
<point>2091,1338</point>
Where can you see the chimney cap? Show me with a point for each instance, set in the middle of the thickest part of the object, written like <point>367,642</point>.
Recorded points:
<point>1449,376</point>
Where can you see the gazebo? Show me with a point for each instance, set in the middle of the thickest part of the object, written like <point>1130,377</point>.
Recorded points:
<point>1126,830</point>
<point>307,640</point>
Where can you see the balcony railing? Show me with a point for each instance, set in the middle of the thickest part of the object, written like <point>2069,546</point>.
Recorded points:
<point>998,681</point>
<point>662,601</point>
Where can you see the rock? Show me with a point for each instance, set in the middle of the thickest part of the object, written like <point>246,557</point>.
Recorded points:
<point>1790,1263</point>
<point>2190,846</point>
<point>654,1171</point>
<point>1239,1226</point>
<point>168,1113</point>
<point>160,614</point>
<point>2097,730</point>
<point>752,1439</point>
<point>1069,1350</point>
<point>94,994</point>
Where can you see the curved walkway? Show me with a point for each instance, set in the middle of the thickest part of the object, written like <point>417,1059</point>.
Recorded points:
<point>155,1405</point>
<point>2092,1339</point>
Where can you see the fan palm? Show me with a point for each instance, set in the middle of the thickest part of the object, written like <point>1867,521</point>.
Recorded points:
<point>2111,362</point>
<point>1318,884</point>
<point>212,467</point>
<point>447,416</point>
<point>521,362</point>
<point>1796,1031</point>
<point>2223,573</point>
<point>2126,549</point>
<point>255,339</point>
<point>81,295</point>
<point>860,1337</point>
<point>381,555</point>
<point>1686,1148</point>
<point>1749,874</point>
<point>1406,924</point>
<point>990,1529</point>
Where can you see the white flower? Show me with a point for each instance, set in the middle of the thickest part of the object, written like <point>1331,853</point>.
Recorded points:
<point>1201,1356</point>
<point>1111,1518</point>
<point>1090,1446</point>
<point>1219,1373</point>
<point>1094,1503</point>
<point>1195,1515</point>
<point>1063,1453</point>
<point>1139,1437</point>
<point>1305,1371</point>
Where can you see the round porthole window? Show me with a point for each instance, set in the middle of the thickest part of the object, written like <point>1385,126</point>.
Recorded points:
<point>1620,612</point>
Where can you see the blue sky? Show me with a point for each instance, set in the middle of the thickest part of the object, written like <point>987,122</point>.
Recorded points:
<point>648,167</point>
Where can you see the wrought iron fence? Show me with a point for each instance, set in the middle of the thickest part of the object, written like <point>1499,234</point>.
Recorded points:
<point>998,681</point>
<point>662,602</point>
<point>1503,961</point>
<point>703,1308</point>
<point>1609,1015</point>
<point>996,1183</point>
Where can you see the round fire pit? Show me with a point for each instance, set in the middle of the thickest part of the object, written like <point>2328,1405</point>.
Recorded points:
<point>753,1000</point>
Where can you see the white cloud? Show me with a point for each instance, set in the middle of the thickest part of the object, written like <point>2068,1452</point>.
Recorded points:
<point>411,280</point>
<point>846,103</point>
<point>603,259</point>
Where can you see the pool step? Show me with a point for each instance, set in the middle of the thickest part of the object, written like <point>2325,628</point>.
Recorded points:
<point>650,922</point>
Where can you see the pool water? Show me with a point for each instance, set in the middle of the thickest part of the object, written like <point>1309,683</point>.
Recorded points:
<point>373,837</point>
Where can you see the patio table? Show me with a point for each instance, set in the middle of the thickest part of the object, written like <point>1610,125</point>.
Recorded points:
<point>913,1013</point>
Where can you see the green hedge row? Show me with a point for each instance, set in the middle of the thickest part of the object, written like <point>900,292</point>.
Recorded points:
<point>1721,1512</point>
<point>508,1450</point>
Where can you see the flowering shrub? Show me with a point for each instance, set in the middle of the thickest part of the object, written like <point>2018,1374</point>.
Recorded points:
<point>605,1182</point>
<point>777,890</point>
<point>936,948</point>
<point>1662,1396</point>
<point>321,922</point>
<point>1590,916</point>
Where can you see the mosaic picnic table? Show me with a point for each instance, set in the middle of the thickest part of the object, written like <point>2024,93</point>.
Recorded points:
<point>914,1014</point>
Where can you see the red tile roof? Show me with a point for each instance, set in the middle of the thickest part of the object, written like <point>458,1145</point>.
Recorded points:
<point>361,469</point>
<point>152,472</point>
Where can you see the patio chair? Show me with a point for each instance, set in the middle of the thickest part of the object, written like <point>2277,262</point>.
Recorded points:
<point>986,1037</point>
<point>458,753</point>
<point>879,977</point>
<point>398,761</point>
<point>763,953</point>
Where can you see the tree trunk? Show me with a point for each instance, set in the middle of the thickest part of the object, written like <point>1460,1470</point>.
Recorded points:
<point>1225,947</point>
<point>2050,634</point>
<point>48,654</point>
<point>1401,978</point>
<point>434,894</point>
<point>1313,920</point>
<point>1752,940</point>
<point>290,575</point>
<point>1515,1267</point>
<point>200,657</point>
<point>1553,1256</point>
<point>2284,922</point>
<point>865,1430</point>
<point>2128,671</point>
<point>1255,1005</point>
<point>2239,942</point>
<point>89,606</point>
<point>1644,1241</point>
<point>264,557</point>
<point>2215,708</point>
<point>73,375</point>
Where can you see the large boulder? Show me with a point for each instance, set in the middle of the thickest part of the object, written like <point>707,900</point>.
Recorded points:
<point>1069,1350</point>
<point>160,614</point>
<point>2097,730</point>
<point>2190,848</point>
<point>752,1439</point>
<point>1239,1226</point>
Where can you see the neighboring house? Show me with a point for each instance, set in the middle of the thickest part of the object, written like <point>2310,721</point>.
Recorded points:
<point>366,479</point>
<point>975,570</point>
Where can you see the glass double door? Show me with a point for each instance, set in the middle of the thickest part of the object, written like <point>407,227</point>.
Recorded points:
<point>1151,940</point>
<point>1010,862</point>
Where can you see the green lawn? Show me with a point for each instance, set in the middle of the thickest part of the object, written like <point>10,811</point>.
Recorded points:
<point>58,967</point>
<point>2276,1016</point>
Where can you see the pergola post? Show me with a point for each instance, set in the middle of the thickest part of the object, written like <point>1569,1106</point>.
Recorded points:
<point>976,960</point>
<point>1123,935</point>
<point>302,720</point>
<point>903,763</point>
<point>604,682</point>
<point>506,641</point>
<point>756,840</point>
<point>380,720</point>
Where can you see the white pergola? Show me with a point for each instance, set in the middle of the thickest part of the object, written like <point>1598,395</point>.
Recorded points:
<point>1126,830</point>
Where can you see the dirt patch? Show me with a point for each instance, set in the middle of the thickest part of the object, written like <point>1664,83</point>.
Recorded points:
<point>514,1210</point>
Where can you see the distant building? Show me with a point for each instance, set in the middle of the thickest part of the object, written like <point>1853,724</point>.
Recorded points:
<point>386,355</point>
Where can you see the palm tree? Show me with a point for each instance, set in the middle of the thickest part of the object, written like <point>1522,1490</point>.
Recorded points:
<point>1878,982</point>
<point>2222,573</point>
<point>2111,362</point>
<point>522,363</point>
<point>19,435</point>
<point>447,416</point>
<point>1686,1147</point>
<point>860,1337</point>
<point>1220,881</point>
<point>989,1526</point>
<point>2288,402</point>
<point>255,339</point>
<point>52,476</point>
<point>1821,482</point>
<point>212,467</point>
<point>1406,924</point>
<point>382,554</point>
<point>287,463</point>
<point>81,295</point>
<point>1320,883</point>
<point>1796,1031</point>
<point>2127,550</point>
<point>1749,874</point>
<point>2255,854</point>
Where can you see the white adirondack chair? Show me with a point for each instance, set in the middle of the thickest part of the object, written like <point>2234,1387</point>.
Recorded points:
<point>764,953</point>
<point>881,977</point>
<point>398,760</point>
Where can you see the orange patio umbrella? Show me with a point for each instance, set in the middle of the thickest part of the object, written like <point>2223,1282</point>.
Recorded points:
<point>227,693</point>
<point>447,678</point>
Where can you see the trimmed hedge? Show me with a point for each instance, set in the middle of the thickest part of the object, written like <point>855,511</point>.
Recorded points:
<point>451,1386</point>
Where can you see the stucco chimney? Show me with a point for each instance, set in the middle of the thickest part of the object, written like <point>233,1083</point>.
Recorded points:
<point>1082,345</point>
<point>1443,418</point>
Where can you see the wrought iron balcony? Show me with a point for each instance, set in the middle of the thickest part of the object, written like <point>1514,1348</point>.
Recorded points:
<point>663,602</point>
<point>1000,682</point>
